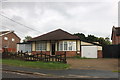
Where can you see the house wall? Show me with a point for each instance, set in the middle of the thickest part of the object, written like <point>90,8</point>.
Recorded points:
<point>0,44</point>
<point>48,51</point>
<point>44,52</point>
<point>78,45</point>
<point>115,39</point>
<point>48,45</point>
<point>68,53</point>
<point>85,43</point>
<point>33,46</point>
<point>100,55</point>
<point>11,45</point>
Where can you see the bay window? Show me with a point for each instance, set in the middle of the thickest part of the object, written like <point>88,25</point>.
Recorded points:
<point>67,46</point>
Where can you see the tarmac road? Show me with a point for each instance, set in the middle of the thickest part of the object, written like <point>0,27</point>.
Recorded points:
<point>7,74</point>
<point>70,73</point>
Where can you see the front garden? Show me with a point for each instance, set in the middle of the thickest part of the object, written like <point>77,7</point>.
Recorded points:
<point>35,64</point>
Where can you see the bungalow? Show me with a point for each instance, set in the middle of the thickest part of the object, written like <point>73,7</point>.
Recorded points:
<point>59,41</point>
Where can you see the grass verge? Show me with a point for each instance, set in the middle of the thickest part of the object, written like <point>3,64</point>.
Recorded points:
<point>35,64</point>
<point>116,71</point>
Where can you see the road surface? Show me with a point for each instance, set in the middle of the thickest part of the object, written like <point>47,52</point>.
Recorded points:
<point>8,74</point>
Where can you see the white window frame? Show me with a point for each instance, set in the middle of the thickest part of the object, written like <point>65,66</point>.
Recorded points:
<point>13,39</point>
<point>60,46</point>
<point>65,45</point>
<point>71,44</point>
<point>5,38</point>
<point>41,46</point>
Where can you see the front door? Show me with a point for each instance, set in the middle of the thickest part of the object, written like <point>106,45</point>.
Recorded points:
<point>52,48</point>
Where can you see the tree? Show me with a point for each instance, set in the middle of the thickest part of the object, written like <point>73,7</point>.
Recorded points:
<point>81,36</point>
<point>107,39</point>
<point>104,41</point>
<point>101,41</point>
<point>92,38</point>
<point>27,38</point>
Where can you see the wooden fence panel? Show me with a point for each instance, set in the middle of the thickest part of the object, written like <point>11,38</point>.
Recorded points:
<point>36,57</point>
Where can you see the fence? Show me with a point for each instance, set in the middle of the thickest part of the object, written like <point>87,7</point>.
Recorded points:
<point>111,51</point>
<point>36,57</point>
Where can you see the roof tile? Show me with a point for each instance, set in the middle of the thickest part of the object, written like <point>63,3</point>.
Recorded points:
<point>58,34</point>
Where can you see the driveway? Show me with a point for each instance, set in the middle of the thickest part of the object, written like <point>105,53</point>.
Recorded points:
<point>96,64</point>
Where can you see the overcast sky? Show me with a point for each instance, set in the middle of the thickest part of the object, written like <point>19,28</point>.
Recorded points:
<point>95,18</point>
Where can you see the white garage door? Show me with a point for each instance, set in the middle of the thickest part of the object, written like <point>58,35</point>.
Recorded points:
<point>89,51</point>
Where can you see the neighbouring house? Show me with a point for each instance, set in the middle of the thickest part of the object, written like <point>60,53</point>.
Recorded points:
<point>8,41</point>
<point>115,35</point>
<point>59,41</point>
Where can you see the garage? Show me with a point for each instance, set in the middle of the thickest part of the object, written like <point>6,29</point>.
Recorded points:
<point>89,51</point>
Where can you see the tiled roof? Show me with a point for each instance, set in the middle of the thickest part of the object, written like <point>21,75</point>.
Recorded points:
<point>58,34</point>
<point>3,32</point>
<point>7,32</point>
<point>117,31</point>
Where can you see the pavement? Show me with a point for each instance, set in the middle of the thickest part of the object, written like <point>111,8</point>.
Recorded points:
<point>69,73</point>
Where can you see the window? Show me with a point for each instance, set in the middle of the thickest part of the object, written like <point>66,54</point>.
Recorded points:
<point>41,46</point>
<point>60,46</point>
<point>67,46</point>
<point>70,46</point>
<point>74,46</point>
<point>5,38</point>
<point>13,39</point>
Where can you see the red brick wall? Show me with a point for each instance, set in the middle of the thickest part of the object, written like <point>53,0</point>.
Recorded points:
<point>44,52</point>
<point>100,55</point>
<point>12,45</point>
<point>68,53</point>
<point>115,39</point>
<point>10,49</point>
<point>1,51</point>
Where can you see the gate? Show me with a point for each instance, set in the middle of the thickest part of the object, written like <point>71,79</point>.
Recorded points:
<point>111,51</point>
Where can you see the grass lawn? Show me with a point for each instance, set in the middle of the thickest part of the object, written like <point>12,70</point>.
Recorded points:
<point>35,64</point>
